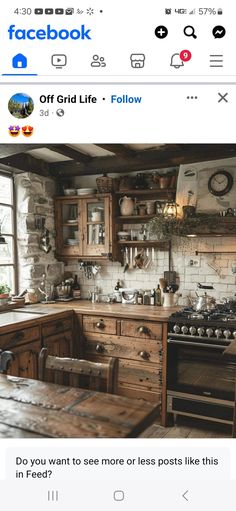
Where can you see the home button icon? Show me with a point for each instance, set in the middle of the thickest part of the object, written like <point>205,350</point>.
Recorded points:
<point>19,61</point>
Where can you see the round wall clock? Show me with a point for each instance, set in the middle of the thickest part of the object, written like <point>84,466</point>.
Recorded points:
<point>220,183</point>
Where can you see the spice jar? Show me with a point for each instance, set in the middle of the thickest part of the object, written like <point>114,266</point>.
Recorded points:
<point>140,298</point>
<point>146,298</point>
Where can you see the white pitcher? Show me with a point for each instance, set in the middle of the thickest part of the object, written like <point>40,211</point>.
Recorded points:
<point>126,206</point>
<point>170,299</point>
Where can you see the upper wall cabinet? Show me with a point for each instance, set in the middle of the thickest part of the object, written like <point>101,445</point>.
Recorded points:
<point>85,227</point>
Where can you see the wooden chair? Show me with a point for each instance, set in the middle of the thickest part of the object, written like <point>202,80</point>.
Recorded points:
<point>96,371</point>
<point>6,358</point>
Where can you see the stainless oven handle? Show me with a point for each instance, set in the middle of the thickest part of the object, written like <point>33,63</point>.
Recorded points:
<point>196,344</point>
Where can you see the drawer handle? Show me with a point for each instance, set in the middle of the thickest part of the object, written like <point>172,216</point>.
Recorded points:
<point>145,355</point>
<point>100,348</point>
<point>100,324</point>
<point>144,330</point>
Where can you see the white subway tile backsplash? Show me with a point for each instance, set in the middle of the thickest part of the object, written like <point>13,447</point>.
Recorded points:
<point>188,277</point>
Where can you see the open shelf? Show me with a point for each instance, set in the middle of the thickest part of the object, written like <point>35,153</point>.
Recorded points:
<point>159,193</point>
<point>134,218</point>
<point>148,243</point>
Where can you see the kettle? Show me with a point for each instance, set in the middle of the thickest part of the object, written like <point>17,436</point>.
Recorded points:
<point>204,302</point>
<point>126,206</point>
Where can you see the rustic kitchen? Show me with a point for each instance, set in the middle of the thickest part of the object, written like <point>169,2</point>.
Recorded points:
<point>117,290</point>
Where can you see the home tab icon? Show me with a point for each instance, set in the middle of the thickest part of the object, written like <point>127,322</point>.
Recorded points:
<point>19,61</point>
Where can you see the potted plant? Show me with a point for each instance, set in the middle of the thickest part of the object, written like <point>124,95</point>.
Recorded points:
<point>4,293</point>
<point>163,228</point>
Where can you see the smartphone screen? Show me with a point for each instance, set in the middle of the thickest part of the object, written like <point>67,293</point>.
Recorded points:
<point>117,255</point>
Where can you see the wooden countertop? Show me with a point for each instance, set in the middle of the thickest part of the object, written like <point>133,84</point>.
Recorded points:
<point>30,316</point>
<point>36,314</point>
<point>143,312</point>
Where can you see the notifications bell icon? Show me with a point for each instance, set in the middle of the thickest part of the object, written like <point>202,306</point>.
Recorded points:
<point>176,61</point>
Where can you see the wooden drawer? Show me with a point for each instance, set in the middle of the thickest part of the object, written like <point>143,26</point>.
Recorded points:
<point>19,337</point>
<point>100,324</point>
<point>146,375</point>
<point>148,350</point>
<point>54,327</point>
<point>141,329</point>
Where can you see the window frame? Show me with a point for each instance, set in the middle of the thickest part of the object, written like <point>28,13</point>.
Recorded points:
<point>13,207</point>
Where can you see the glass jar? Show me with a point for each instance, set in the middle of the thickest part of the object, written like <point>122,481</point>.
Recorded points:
<point>146,298</point>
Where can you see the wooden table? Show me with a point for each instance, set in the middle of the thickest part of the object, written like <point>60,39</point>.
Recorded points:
<point>30,408</point>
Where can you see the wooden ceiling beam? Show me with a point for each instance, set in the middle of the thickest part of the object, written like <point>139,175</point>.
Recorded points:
<point>167,156</point>
<point>26,163</point>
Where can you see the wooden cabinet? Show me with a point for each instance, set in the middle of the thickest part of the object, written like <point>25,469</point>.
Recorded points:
<point>140,347</point>
<point>25,363</point>
<point>85,227</point>
<point>25,344</point>
<point>57,337</point>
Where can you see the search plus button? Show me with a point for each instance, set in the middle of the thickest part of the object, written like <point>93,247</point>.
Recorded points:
<point>189,31</point>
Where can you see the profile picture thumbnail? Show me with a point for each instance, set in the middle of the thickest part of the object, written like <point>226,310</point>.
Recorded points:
<point>20,105</point>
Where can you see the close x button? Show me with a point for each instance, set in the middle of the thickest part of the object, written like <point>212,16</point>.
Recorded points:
<point>223,97</point>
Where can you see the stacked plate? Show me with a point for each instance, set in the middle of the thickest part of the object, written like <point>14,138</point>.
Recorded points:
<point>86,191</point>
<point>71,241</point>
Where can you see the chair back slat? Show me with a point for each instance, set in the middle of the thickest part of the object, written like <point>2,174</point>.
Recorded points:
<point>96,371</point>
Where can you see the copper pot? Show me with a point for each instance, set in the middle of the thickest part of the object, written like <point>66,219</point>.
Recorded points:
<point>164,182</point>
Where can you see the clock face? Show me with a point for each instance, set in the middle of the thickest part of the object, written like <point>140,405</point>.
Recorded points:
<point>220,183</point>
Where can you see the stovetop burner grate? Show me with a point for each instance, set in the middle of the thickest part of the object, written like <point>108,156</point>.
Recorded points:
<point>220,313</point>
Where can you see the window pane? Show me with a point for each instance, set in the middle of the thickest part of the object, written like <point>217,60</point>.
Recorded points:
<point>6,220</point>
<point>5,190</point>
<point>6,277</point>
<point>6,251</point>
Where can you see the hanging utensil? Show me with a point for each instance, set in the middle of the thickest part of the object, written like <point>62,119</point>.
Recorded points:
<point>126,260</point>
<point>153,254</point>
<point>169,275</point>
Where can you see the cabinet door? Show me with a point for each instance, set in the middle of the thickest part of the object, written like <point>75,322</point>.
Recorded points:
<point>96,226</point>
<point>68,227</point>
<point>25,363</point>
<point>60,345</point>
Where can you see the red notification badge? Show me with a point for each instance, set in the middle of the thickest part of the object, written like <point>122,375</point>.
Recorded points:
<point>185,55</point>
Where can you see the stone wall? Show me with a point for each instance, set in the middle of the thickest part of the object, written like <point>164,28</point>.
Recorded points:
<point>34,200</point>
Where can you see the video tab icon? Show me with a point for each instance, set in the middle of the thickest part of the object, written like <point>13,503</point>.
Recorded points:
<point>38,11</point>
<point>59,11</point>
<point>59,61</point>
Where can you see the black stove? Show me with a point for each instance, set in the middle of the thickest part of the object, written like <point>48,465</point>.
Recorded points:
<point>200,378</point>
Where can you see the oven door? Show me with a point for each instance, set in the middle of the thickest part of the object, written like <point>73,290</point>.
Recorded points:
<point>200,369</point>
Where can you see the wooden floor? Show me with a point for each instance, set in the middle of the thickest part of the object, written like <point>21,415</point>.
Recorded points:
<point>187,427</point>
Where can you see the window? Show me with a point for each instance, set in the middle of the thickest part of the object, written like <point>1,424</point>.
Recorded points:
<point>7,237</point>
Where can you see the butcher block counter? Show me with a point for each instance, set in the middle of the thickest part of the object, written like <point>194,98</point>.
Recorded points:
<point>136,334</point>
<point>148,312</point>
